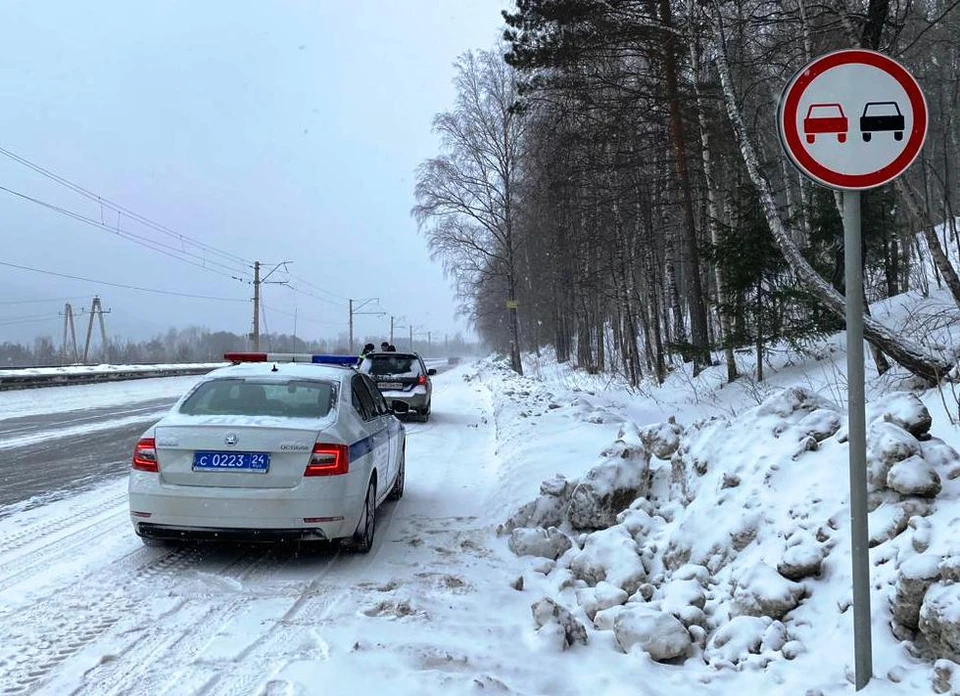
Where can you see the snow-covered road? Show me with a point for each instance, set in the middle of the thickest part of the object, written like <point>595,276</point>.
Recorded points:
<point>86,609</point>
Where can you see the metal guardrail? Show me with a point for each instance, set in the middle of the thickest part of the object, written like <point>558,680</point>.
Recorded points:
<point>56,379</point>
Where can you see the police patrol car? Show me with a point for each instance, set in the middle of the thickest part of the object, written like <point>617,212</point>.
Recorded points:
<point>270,449</point>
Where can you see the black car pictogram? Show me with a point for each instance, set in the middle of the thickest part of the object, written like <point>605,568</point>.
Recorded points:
<point>881,116</point>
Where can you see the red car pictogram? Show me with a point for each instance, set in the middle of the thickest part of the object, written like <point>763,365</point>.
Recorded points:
<point>825,118</point>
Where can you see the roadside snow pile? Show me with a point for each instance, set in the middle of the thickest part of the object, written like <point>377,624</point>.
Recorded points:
<point>726,542</point>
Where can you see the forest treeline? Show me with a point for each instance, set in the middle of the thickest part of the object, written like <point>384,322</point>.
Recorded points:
<point>195,344</point>
<point>610,183</point>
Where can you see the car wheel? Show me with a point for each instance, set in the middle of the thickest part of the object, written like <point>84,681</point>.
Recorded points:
<point>898,135</point>
<point>841,137</point>
<point>425,414</point>
<point>866,137</point>
<point>367,527</point>
<point>397,491</point>
<point>811,138</point>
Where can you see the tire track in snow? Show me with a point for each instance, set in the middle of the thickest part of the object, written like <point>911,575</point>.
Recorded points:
<point>44,636</point>
<point>167,656</point>
<point>66,547</point>
<point>292,637</point>
<point>50,525</point>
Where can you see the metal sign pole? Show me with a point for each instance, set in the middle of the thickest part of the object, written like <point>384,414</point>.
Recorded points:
<point>857,429</point>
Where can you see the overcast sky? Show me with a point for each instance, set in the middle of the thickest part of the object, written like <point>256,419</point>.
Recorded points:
<point>271,131</point>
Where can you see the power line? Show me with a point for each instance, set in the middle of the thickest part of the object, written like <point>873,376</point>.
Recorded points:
<point>121,285</point>
<point>306,317</point>
<point>307,293</point>
<point>52,299</point>
<point>106,202</point>
<point>28,320</point>
<point>165,249</point>
<point>318,288</point>
<point>142,219</point>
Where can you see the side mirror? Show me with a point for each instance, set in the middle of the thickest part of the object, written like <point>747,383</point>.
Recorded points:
<point>399,407</point>
<point>431,372</point>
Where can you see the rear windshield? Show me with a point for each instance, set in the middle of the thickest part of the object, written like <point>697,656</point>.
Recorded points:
<point>391,365</point>
<point>249,397</point>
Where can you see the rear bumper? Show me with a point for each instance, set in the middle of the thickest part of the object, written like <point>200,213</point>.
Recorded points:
<point>417,399</point>
<point>173,533</point>
<point>322,509</point>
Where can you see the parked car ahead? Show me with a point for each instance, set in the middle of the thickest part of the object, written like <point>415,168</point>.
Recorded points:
<point>402,377</point>
<point>270,450</point>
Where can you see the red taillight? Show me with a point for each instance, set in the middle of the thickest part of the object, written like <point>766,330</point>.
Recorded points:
<point>422,380</point>
<point>244,357</point>
<point>328,460</point>
<point>145,455</point>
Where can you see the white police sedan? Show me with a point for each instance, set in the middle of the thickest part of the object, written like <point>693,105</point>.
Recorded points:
<point>270,449</point>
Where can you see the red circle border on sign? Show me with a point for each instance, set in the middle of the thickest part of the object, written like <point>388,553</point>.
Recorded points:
<point>793,143</point>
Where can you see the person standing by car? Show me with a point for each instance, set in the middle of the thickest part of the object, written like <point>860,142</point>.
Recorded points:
<point>367,349</point>
<point>384,347</point>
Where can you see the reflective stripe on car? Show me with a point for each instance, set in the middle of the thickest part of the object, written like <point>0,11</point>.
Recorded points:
<point>370,443</point>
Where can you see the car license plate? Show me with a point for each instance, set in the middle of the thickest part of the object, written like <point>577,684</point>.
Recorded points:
<point>251,462</point>
<point>391,385</point>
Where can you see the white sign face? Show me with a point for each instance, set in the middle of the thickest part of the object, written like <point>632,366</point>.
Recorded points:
<point>853,119</point>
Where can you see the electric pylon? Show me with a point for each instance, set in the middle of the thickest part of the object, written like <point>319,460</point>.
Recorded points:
<point>68,351</point>
<point>96,310</point>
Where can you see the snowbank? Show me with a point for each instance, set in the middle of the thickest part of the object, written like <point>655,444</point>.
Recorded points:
<point>724,545</point>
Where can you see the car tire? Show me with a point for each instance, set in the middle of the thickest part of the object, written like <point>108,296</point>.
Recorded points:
<point>867,136</point>
<point>367,527</point>
<point>425,415</point>
<point>397,491</point>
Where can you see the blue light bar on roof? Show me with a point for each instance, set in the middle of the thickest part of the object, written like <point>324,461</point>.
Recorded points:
<point>242,357</point>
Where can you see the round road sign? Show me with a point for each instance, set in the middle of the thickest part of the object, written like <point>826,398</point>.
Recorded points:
<point>852,119</point>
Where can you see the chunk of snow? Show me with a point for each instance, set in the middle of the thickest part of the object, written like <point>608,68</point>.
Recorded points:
<point>603,596</point>
<point>914,577</point>
<point>657,633</point>
<point>536,541</point>
<point>610,487</point>
<point>903,409</point>
<point>662,439</point>
<point>762,591</point>
<point>887,444</point>
<point>914,476</point>
<point>940,620</point>
<point>611,555</point>
<point>733,642</point>
<point>803,558</point>
<point>820,424</point>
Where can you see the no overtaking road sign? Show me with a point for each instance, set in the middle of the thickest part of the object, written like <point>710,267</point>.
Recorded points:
<point>852,119</point>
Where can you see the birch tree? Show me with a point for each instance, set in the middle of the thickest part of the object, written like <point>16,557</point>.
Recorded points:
<point>467,196</point>
<point>930,367</point>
